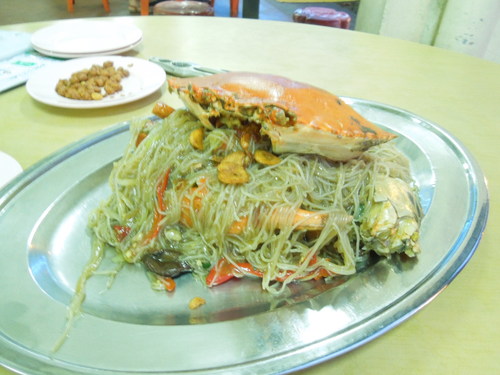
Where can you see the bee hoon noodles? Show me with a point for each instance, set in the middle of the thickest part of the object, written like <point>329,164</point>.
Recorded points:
<point>166,197</point>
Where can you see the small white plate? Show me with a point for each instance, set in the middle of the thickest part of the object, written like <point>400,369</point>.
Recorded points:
<point>9,168</point>
<point>86,37</point>
<point>144,79</point>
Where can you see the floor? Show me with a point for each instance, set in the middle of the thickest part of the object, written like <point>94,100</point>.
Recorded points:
<point>18,11</point>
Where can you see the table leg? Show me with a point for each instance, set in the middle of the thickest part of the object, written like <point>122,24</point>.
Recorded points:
<point>250,8</point>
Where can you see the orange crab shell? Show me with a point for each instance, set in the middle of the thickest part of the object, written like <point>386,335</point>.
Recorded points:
<point>296,116</point>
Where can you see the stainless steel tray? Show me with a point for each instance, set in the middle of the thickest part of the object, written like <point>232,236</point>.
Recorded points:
<point>130,329</point>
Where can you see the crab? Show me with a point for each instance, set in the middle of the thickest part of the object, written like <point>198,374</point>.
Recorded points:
<point>301,118</point>
<point>297,117</point>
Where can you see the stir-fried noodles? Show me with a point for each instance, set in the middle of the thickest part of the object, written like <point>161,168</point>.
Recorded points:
<point>294,218</point>
<point>299,219</point>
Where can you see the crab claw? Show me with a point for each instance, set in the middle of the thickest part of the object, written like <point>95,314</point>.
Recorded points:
<point>295,116</point>
<point>392,223</point>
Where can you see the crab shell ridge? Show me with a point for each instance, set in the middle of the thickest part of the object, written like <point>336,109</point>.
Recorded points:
<point>296,116</point>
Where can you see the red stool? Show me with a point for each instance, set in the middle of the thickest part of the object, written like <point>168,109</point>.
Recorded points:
<point>234,5</point>
<point>322,16</point>
<point>183,8</point>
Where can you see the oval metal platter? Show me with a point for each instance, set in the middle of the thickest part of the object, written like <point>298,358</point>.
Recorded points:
<point>127,328</point>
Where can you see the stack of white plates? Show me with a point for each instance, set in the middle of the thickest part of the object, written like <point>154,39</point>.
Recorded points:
<point>83,38</point>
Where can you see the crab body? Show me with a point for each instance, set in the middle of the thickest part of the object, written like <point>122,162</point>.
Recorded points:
<point>295,116</point>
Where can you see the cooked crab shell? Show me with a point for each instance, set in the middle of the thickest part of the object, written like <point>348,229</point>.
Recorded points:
<point>297,117</point>
<point>392,222</point>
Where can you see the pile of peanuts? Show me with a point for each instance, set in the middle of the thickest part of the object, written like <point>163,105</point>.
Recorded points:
<point>94,83</point>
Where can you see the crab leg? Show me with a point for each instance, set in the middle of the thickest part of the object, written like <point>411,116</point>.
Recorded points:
<point>279,218</point>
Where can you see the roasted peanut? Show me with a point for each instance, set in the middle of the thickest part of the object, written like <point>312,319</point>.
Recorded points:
<point>94,83</point>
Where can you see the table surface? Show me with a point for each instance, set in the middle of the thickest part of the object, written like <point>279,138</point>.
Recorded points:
<point>459,332</point>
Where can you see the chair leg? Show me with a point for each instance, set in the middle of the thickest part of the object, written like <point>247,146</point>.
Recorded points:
<point>234,6</point>
<point>105,4</point>
<point>71,5</point>
<point>144,7</point>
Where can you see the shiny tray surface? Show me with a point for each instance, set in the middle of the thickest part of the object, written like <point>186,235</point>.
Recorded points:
<point>130,329</point>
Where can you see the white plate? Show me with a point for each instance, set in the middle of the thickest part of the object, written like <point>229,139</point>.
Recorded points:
<point>144,79</point>
<point>9,168</point>
<point>86,37</point>
<point>77,55</point>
